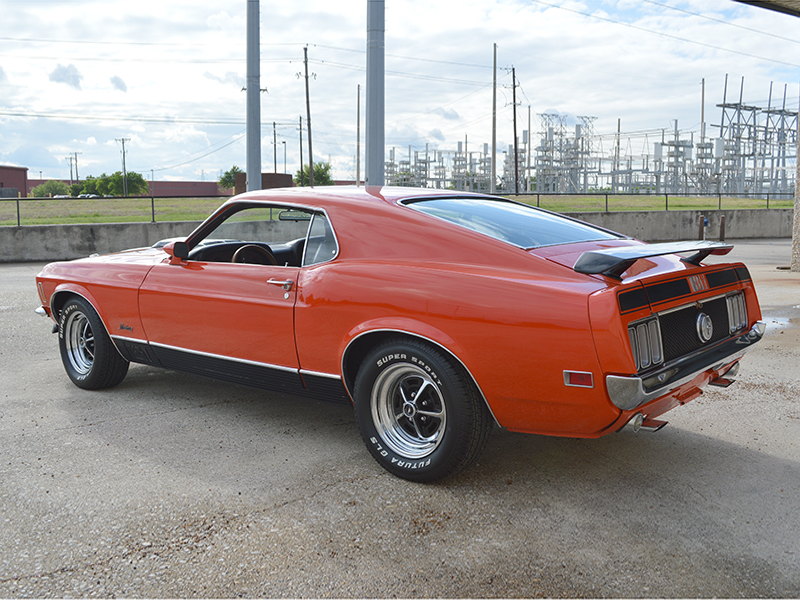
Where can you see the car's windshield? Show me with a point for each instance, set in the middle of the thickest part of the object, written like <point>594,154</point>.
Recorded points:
<point>518,224</point>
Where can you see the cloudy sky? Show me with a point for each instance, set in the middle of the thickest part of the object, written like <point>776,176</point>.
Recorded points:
<point>78,75</point>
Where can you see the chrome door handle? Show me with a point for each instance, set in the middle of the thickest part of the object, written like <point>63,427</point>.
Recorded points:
<point>287,285</point>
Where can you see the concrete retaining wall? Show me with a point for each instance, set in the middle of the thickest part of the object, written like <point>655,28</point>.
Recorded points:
<point>64,242</point>
<point>673,225</point>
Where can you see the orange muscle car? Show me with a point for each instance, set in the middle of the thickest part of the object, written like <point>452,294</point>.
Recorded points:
<point>435,313</point>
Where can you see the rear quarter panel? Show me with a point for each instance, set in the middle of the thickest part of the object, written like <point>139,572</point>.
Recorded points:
<point>514,332</point>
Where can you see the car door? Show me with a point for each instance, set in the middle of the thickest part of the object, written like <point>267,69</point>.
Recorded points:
<point>230,320</point>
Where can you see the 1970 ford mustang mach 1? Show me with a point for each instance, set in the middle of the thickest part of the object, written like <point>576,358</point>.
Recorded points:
<point>434,313</point>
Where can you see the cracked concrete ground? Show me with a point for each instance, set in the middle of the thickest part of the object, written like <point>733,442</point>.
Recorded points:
<point>176,486</point>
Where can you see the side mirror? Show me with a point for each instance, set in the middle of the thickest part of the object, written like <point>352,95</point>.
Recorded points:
<point>178,251</point>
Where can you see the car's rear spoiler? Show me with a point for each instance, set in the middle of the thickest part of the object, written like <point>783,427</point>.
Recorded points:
<point>613,262</point>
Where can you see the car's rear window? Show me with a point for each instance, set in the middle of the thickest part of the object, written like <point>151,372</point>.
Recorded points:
<point>518,224</point>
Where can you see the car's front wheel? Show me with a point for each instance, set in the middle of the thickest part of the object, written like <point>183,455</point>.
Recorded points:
<point>89,356</point>
<point>419,413</point>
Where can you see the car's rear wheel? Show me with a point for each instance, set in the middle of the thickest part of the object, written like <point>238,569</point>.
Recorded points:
<point>420,415</point>
<point>89,356</point>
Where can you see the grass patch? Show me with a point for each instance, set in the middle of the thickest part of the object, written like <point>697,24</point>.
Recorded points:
<point>67,211</point>
<point>627,203</point>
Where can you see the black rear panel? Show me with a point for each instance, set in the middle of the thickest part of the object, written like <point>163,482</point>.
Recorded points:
<point>679,328</point>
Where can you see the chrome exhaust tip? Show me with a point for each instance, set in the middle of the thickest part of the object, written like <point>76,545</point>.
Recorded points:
<point>652,425</point>
<point>638,422</point>
<point>634,423</point>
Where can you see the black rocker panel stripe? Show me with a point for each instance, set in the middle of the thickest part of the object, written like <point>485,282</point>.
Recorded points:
<point>265,377</point>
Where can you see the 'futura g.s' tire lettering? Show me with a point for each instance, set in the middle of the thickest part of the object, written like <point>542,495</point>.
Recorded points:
<point>418,411</point>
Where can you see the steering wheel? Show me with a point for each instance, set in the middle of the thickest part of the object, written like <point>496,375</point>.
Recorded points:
<point>253,254</point>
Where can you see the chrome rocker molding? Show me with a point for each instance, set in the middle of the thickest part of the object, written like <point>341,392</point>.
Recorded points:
<point>628,393</point>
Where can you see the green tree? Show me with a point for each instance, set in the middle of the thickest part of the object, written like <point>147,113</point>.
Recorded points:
<point>228,180</point>
<point>50,188</point>
<point>90,186</point>
<point>322,175</point>
<point>137,185</point>
<point>75,189</point>
<point>114,185</point>
<point>101,185</point>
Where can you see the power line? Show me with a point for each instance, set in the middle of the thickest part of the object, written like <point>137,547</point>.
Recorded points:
<point>187,162</point>
<point>667,35</point>
<point>137,119</point>
<point>731,24</point>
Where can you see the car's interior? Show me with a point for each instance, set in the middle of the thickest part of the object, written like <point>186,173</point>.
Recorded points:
<point>288,254</point>
<point>255,235</point>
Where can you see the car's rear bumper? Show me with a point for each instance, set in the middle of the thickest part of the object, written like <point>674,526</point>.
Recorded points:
<point>629,393</point>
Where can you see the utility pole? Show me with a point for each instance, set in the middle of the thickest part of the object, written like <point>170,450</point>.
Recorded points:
<point>124,171</point>
<point>358,137</point>
<point>374,151</point>
<point>308,120</point>
<point>253,97</point>
<point>703,110</point>
<point>796,222</point>
<point>275,147</point>
<point>492,184</point>
<point>528,148</point>
<point>69,158</point>
<point>77,178</point>
<point>516,141</point>
<point>302,177</point>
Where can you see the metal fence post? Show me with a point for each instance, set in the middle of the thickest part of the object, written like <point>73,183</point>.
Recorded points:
<point>666,201</point>
<point>153,209</point>
<point>18,222</point>
<point>606,202</point>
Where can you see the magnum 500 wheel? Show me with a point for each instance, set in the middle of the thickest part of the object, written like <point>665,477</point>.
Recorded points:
<point>418,412</point>
<point>90,358</point>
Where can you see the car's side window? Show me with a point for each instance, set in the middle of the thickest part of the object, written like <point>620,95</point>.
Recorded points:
<point>273,235</point>
<point>321,246</point>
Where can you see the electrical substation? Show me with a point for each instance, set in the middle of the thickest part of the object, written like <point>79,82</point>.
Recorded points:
<point>749,150</point>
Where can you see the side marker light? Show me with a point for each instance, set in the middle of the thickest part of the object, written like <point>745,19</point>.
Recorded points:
<point>578,379</point>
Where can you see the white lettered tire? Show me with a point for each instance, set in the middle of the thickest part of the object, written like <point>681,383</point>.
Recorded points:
<point>89,356</point>
<point>418,412</point>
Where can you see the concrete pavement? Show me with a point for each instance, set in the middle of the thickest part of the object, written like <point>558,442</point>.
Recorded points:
<point>174,485</point>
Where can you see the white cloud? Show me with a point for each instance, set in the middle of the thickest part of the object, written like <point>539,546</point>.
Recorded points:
<point>230,78</point>
<point>119,84</point>
<point>69,75</point>
<point>189,65</point>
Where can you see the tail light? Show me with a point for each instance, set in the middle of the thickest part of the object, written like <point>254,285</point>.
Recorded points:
<point>645,337</point>
<point>737,312</point>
